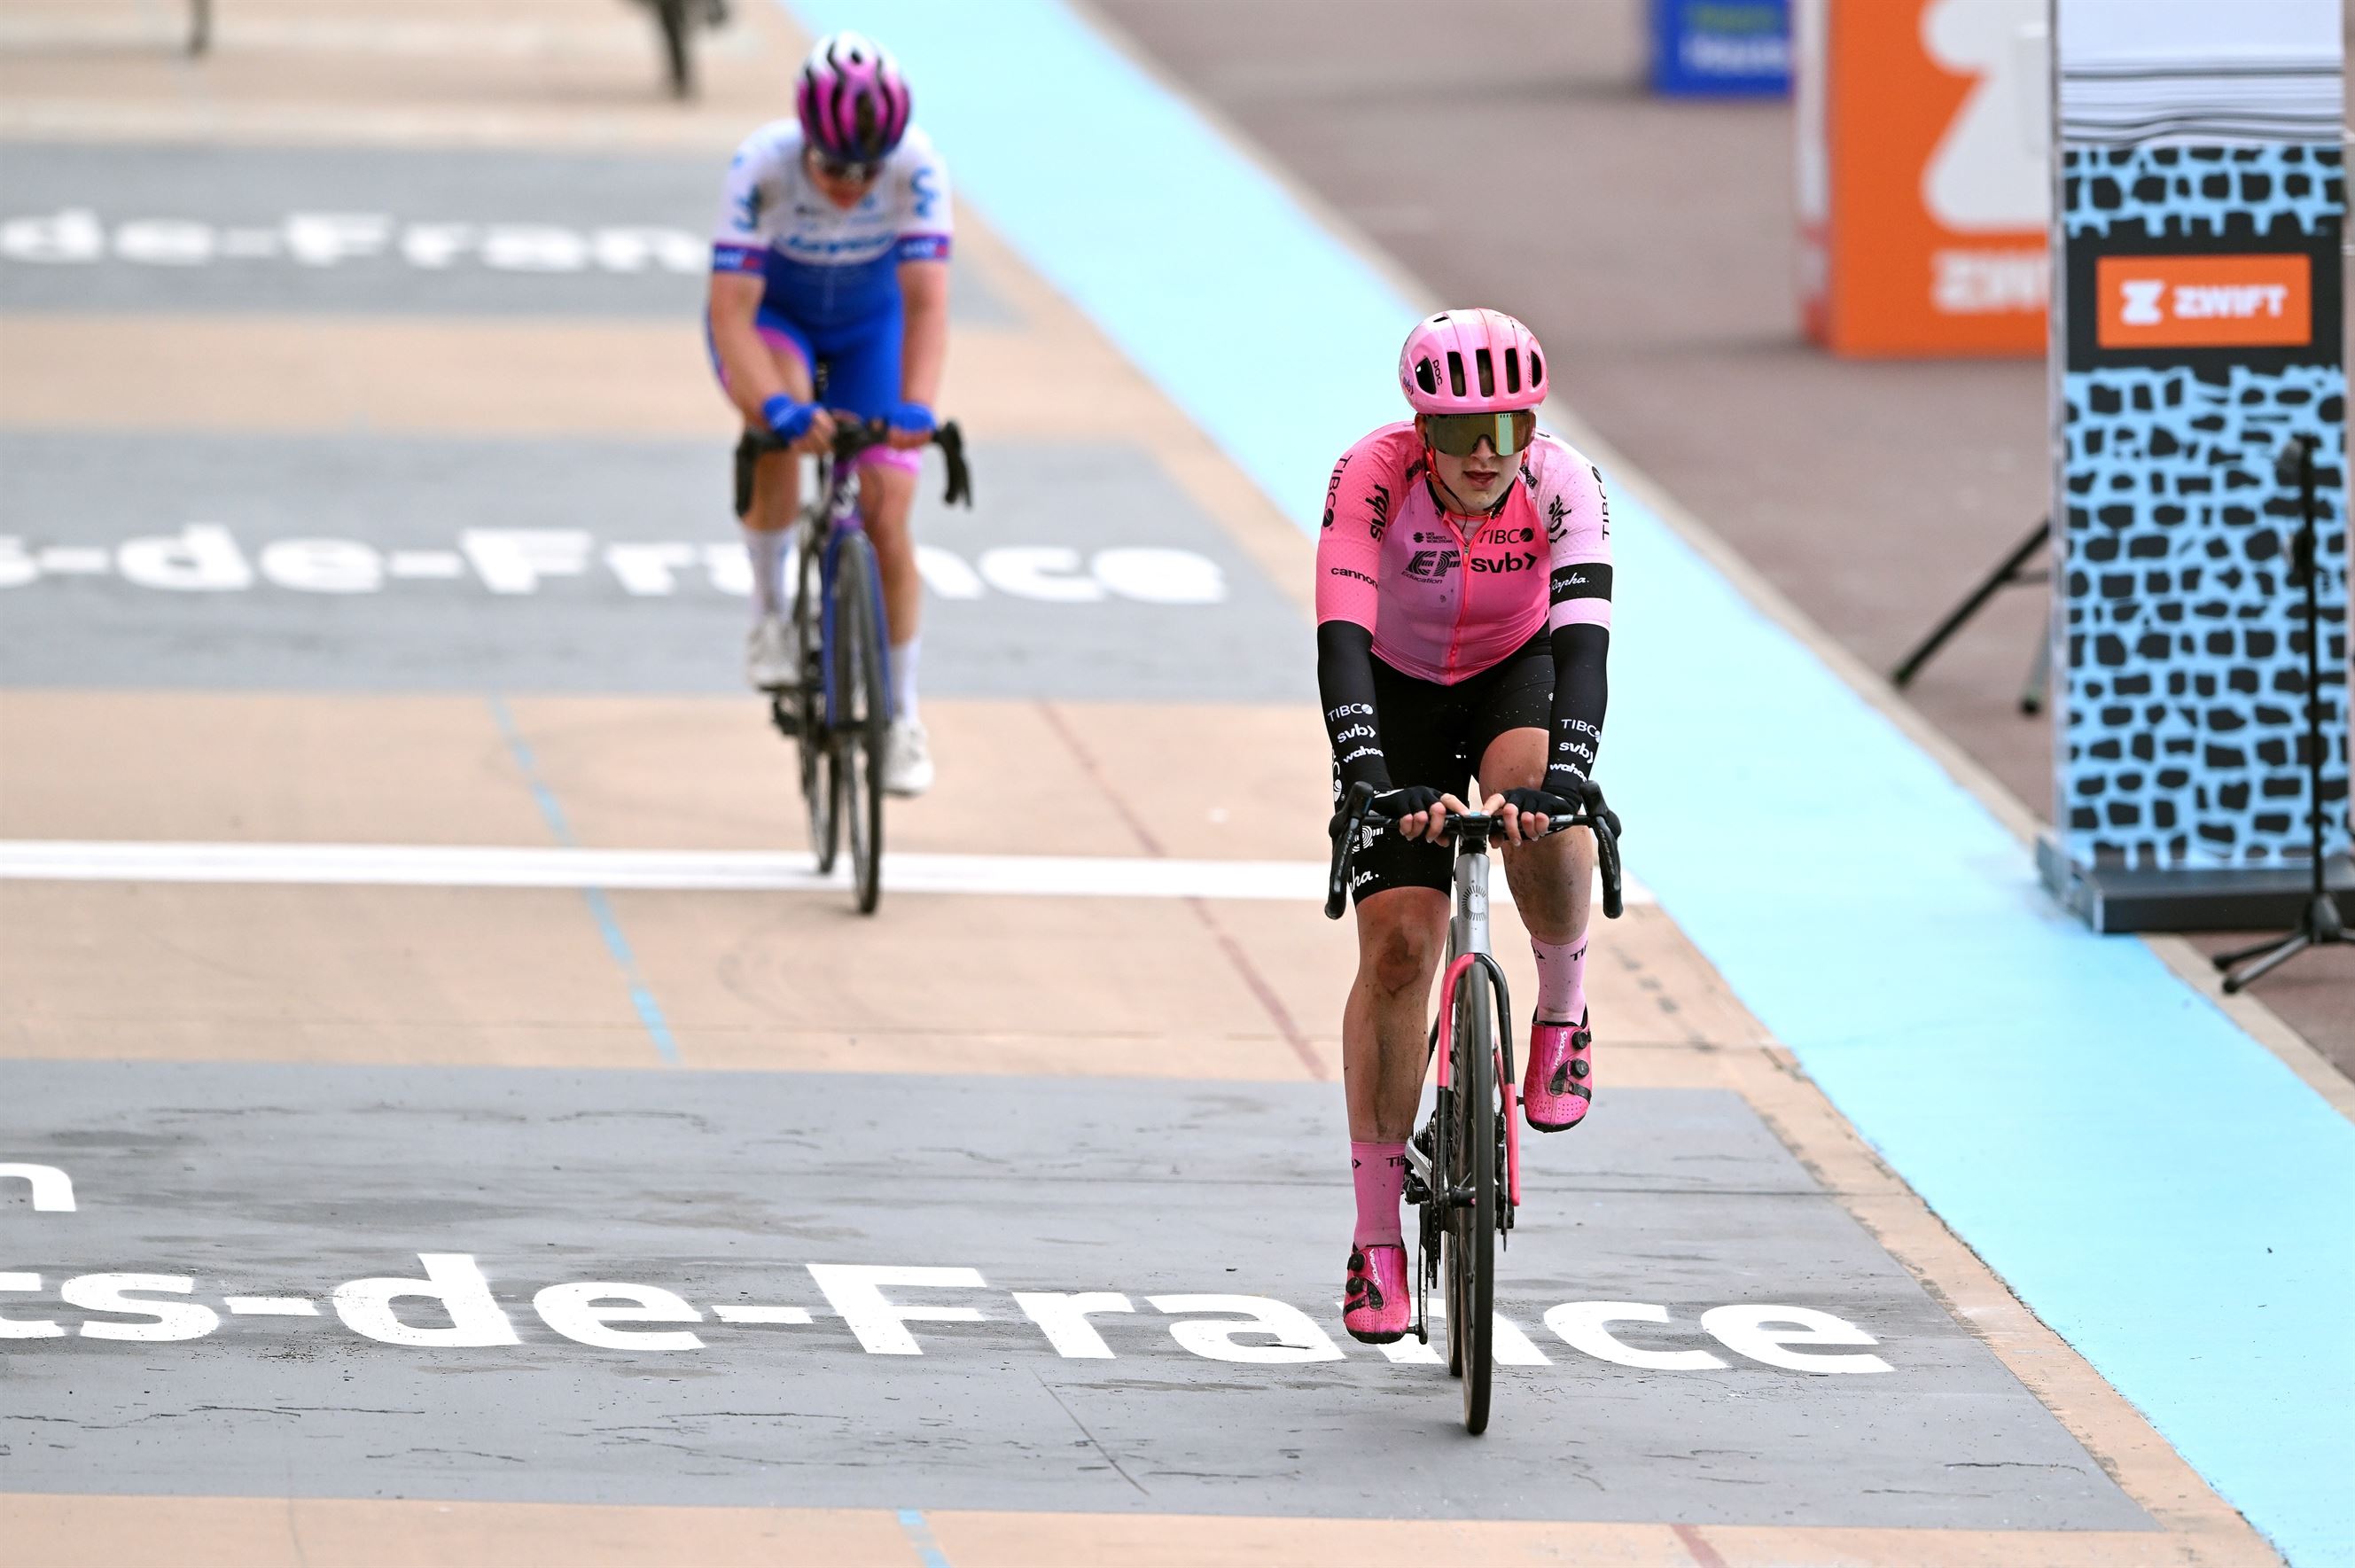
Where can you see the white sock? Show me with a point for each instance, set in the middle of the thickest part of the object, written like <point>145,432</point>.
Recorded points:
<point>903,675</point>
<point>767,549</point>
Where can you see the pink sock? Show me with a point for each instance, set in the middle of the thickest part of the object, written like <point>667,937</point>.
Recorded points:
<point>1562,980</point>
<point>1380,1172</point>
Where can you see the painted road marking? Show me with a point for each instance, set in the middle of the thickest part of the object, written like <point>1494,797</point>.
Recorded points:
<point>210,557</point>
<point>666,870</point>
<point>789,1315</point>
<point>1898,867</point>
<point>51,1189</point>
<point>1239,1327</point>
<point>270,1306</point>
<point>532,1264</point>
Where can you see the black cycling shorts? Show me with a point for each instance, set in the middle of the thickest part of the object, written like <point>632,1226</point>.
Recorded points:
<point>1434,735</point>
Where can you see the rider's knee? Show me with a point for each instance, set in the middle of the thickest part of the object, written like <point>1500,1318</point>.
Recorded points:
<point>1399,955</point>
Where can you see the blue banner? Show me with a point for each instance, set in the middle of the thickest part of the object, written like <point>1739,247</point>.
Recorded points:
<point>1713,47</point>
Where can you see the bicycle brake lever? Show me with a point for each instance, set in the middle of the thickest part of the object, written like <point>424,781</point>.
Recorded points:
<point>951,440</point>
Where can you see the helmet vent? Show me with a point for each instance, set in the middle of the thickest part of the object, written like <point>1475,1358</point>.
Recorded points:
<point>1426,374</point>
<point>1512,369</point>
<point>1537,369</point>
<point>1487,372</point>
<point>1456,372</point>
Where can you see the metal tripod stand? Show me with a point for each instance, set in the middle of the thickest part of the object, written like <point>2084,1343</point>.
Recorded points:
<point>2014,572</point>
<point>2320,925</point>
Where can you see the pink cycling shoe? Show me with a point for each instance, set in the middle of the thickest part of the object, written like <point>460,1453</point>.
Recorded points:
<point>1558,1087</point>
<point>1374,1303</point>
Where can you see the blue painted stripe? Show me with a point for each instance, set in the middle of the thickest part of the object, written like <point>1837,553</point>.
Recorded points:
<point>601,908</point>
<point>919,1536</point>
<point>2154,1183</point>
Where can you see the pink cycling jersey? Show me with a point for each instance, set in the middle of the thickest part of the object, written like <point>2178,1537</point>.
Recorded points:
<point>1447,596</point>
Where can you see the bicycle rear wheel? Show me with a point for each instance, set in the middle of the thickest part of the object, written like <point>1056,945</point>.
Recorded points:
<point>1471,1235</point>
<point>862,729</point>
<point>821,778</point>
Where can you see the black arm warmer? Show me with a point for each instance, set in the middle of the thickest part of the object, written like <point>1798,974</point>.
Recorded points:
<point>1581,689</point>
<point>1345,679</point>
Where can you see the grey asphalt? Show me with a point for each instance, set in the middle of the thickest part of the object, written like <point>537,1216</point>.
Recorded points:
<point>723,1188</point>
<point>588,632</point>
<point>260,188</point>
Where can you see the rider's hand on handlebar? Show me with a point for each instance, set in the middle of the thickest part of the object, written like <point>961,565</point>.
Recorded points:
<point>808,426</point>
<point>1527,812</point>
<point>1418,811</point>
<point>910,425</point>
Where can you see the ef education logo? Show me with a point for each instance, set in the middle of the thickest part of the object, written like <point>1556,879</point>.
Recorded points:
<point>2205,301</point>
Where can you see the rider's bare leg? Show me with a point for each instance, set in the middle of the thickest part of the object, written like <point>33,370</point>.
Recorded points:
<point>885,495</point>
<point>1402,932</point>
<point>1553,879</point>
<point>777,498</point>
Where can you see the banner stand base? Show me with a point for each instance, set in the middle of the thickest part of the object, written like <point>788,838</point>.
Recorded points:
<point>2122,899</point>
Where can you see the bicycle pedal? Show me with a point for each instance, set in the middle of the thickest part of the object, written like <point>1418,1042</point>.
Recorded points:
<point>1416,1192</point>
<point>788,722</point>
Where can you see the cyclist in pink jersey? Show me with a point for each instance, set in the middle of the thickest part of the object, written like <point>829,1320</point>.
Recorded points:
<point>1463,628</point>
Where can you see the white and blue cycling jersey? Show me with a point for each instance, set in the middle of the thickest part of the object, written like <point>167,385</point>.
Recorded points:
<point>828,269</point>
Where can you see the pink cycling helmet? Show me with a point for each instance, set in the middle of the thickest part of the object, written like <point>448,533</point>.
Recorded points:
<point>853,105</point>
<point>1472,362</point>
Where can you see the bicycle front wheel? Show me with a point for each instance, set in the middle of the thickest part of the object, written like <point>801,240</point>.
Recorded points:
<point>862,729</point>
<point>1471,1235</point>
<point>821,778</point>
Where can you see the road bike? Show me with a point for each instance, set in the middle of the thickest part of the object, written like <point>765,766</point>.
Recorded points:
<point>839,714</point>
<point>1463,1166</point>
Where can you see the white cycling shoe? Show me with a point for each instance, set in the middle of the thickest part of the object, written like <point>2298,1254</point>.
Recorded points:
<point>769,654</point>
<point>907,759</point>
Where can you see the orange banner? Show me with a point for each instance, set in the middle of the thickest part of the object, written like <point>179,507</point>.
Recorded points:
<point>1923,194</point>
<point>2205,301</point>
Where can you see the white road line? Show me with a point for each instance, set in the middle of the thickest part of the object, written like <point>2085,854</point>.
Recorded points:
<point>762,1313</point>
<point>272,1306</point>
<point>466,866</point>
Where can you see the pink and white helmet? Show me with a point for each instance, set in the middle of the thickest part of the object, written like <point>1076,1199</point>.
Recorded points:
<point>853,105</point>
<point>1472,362</point>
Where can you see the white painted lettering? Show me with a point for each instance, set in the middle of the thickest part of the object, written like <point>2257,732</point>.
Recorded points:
<point>587,1311</point>
<point>454,1280</point>
<point>166,243</point>
<point>1745,1331</point>
<point>25,1327</point>
<point>163,1320</point>
<point>1047,572</point>
<point>672,250</point>
<point>645,570</point>
<point>856,1291</point>
<point>1295,1335</point>
<point>73,235</point>
<point>534,248</point>
<point>325,238</point>
<point>1161,576</point>
<point>324,566</point>
<point>434,246</point>
<point>947,575</point>
<point>201,559</point>
<point>52,1189</point>
<point>1063,1318</point>
<point>17,567</point>
<point>513,561</point>
<point>1581,1326</point>
<point>731,570</point>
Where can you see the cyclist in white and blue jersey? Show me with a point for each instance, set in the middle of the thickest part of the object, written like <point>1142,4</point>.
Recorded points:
<point>833,253</point>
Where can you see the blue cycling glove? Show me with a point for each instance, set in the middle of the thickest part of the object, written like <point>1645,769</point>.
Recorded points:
<point>787,418</point>
<point>913,418</point>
